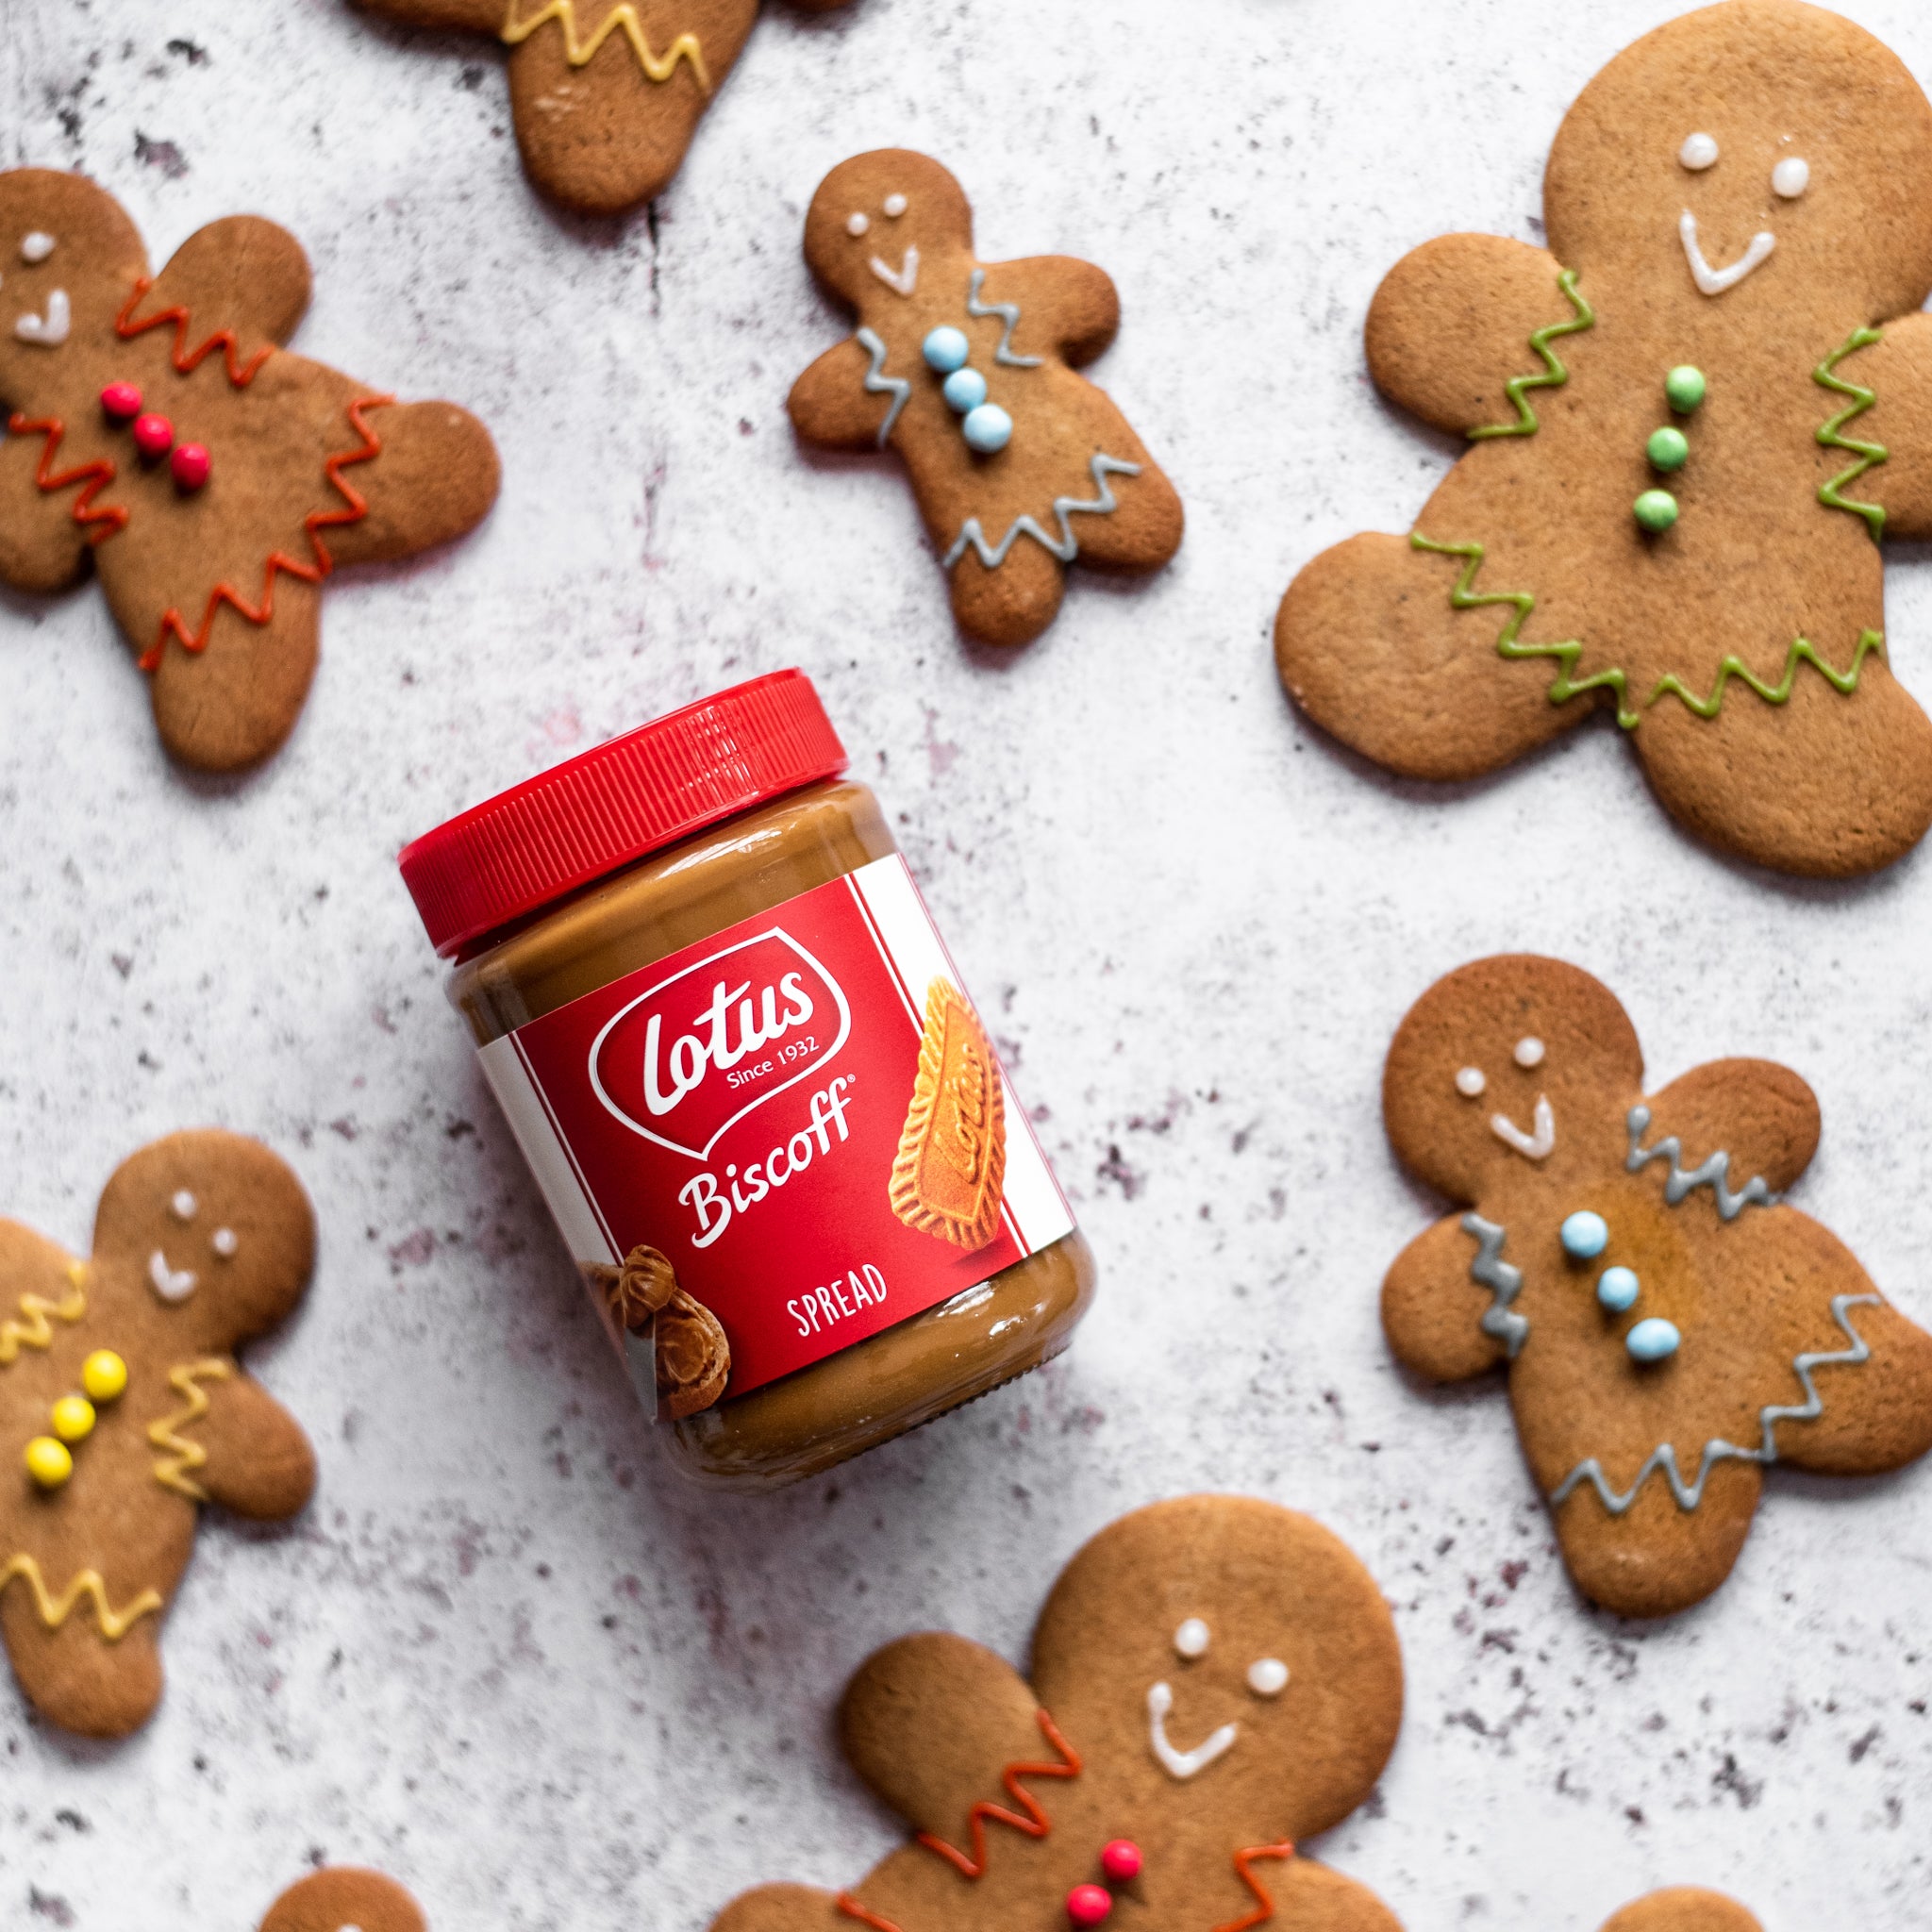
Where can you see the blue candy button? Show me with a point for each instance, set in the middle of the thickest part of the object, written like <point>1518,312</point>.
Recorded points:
<point>1616,1288</point>
<point>988,429</point>
<point>945,349</point>
<point>1653,1339</point>
<point>1585,1235</point>
<point>965,390</point>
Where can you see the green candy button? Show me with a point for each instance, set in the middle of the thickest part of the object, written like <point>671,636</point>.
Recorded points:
<point>1656,511</point>
<point>1668,449</point>
<point>1684,386</point>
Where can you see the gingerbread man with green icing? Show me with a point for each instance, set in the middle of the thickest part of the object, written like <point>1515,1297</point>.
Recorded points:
<point>1692,420</point>
<point>1212,1679</point>
<point>605,95</point>
<point>213,480</point>
<point>1670,1327</point>
<point>124,1410</point>
<point>968,372</point>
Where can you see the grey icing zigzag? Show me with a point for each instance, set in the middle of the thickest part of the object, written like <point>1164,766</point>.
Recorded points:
<point>993,556</point>
<point>1717,1450</point>
<point>1715,1173</point>
<point>1502,1280</point>
<point>879,384</point>
<point>1009,312</point>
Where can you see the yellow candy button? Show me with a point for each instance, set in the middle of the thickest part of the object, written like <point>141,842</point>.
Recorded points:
<point>74,1418</point>
<point>104,1374</point>
<point>48,1462</point>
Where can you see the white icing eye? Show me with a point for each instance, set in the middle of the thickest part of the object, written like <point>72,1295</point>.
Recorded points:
<point>1791,176</point>
<point>1190,1640</point>
<point>895,205</point>
<point>1529,1051</point>
<point>224,1242</point>
<point>1698,153</point>
<point>857,224</point>
<point>1470,1082</point>
<point>1266,1677</point>
<point>36,247</point>
<point>183,1207</point>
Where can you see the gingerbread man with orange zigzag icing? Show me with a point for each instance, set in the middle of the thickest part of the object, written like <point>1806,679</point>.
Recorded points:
<point>1669,1324</point>
<point>970,372</point>
<point>1691,420</point>
<point>605,95</point>
<point>1213,1678</point>
<point>212,478</point>
<point>123,1411</point>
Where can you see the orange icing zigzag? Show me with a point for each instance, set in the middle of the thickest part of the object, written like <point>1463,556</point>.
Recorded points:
<point>1265,1908</point>
<point>186,359</point>
<point>55,1610</point>
<point>355,508</point>
<point>184,1455</point>
<point>1034,1823</point>
<point>96,475</point>
<point>34,1330</point>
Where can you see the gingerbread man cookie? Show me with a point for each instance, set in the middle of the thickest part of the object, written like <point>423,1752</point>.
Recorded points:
<point>1213,1678</point>
<point>605,95</point>
<point>340,1898</point>
<point>124,1410</point>
<point>1670,1327</point>
<point>213,479</point>
<point>1691,420</point>
<point>967,370</point>
<point>1682,1909</point>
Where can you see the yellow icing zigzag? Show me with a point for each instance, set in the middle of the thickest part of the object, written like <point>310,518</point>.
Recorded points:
<point>624,17</point>
<point>55,1610</point>
<point>35,1331</point>
<point>183,1454</point>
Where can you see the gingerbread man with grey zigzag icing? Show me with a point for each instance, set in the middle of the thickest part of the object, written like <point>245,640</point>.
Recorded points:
<point>1669,1324</point>
<point>967,371</point>
<point>1688,421</point>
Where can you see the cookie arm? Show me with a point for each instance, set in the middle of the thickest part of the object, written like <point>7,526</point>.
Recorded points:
<point>1432,1307</point>
<point>479,16</point>
<point>1759,1113</point>
<point>830,406</point>
<point>1065,305</point>
<point>1451,325</point>
<point>1311,1898</point>
<point>241,273</point>
<point>260,1463</point>
<point>1897,370</point>
<point>784,1908</point>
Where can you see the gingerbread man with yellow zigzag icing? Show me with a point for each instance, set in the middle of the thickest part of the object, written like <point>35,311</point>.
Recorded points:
<point>606,94</point>
<point>1691,420</point>
<point>123,1411</point>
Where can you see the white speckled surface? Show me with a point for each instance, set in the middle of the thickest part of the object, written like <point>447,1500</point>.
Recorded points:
<point>503,1656</point>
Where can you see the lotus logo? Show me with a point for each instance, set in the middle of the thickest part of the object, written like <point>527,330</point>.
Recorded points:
<point>712,1043</point>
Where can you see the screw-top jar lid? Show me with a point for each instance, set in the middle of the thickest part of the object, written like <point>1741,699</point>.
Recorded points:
<point>566,827</point>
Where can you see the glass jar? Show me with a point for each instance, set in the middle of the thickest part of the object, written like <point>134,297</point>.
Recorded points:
<point>765,1115</point>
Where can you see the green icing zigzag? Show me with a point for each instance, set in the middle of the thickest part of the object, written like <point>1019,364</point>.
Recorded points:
<point>1554,374</point>
<point>1870,455</point>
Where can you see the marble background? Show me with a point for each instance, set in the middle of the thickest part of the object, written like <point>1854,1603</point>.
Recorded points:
<point>504,1654</point>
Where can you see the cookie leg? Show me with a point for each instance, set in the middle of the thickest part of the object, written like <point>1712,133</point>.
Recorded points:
<point>1824,783</point>
<point>436,478</point>
<point>1657,1560</point>
<point>1141,533</point>
<point>1367,643</point>
<point>72,1676</point>
<point>1012,604</point>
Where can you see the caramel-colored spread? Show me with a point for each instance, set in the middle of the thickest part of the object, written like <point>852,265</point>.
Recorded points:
<point>879,1387</point>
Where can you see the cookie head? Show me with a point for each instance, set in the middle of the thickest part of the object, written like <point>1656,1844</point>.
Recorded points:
<point>216,1227</point>
<point>1762,156</point>
<point>1226,1659</point>
<point>878,217</point>
<point>68,261</point>
<point>1509,1062</point>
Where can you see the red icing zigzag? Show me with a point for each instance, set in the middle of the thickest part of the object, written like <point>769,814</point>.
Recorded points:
<point>1264,1908</point>
<point>1034,1823</point>
<point>96,475</point>
<point>186,359</point>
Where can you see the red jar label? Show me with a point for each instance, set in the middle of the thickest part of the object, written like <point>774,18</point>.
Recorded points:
<point>802,1115</point>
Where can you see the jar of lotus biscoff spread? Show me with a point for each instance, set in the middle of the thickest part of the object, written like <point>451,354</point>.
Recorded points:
<point>756,1097</point>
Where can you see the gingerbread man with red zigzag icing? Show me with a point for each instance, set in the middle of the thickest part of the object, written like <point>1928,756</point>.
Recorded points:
<point>124,1410</point>
<point>1213,1678</point>
<point>967,371</point>
<point>156,429</point>
<point>1691,420</point>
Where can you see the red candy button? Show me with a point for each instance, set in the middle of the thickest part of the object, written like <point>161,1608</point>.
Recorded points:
<point>120,400</point>
<point>153,435</point>
<point>191,466</point>
<point>1121,1860</point>
<point>1086,1905</point>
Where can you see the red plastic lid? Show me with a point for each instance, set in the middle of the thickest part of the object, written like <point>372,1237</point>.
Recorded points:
<point>565,827</point>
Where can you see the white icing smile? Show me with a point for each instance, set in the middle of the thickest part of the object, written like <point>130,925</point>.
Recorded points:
<point>1536,1146</point>
<point>49,330</point>
<point>1714,281</point>
<point>1177,1763</point>
<point>168,1283</point>
<point>902,280</point>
